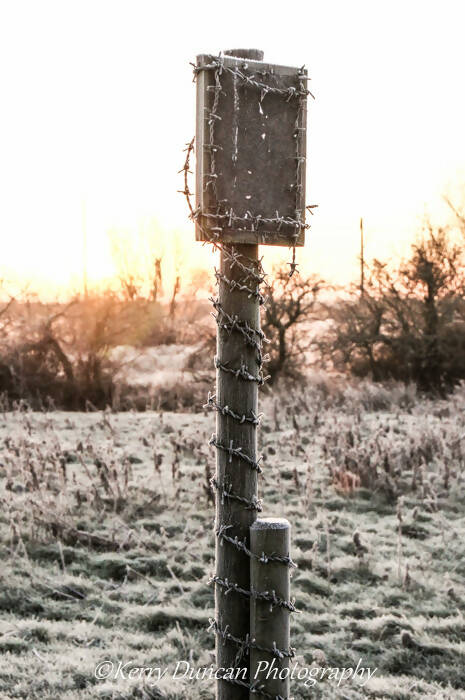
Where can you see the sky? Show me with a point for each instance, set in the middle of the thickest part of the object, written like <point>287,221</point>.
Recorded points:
<point>98,101</point>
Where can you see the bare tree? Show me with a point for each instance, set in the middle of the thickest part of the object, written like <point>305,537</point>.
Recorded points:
<point>409,324</point>
<point>291,304</point>
<point>176,290</point>
<point>157,280</point>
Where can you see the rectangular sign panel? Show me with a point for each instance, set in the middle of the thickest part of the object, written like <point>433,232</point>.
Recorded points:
<point>251,151</point>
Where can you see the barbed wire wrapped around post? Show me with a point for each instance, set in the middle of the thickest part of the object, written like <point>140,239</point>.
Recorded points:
<point>249,222</point>
<point>241,275</point>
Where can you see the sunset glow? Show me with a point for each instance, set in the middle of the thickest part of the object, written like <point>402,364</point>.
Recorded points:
<point>98,103</point>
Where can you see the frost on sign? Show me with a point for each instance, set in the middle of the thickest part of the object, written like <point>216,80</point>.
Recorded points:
<point>251,140</point>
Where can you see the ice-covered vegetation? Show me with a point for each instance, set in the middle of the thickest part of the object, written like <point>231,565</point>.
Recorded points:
<point>106,518</point>
<point>106,536</point>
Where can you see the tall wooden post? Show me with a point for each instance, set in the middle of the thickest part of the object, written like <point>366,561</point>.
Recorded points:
<point>235,476</point>
<point>250,190</point>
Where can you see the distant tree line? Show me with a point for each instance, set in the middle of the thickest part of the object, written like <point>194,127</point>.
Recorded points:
<point>409,323</point>
<point>406,324</point>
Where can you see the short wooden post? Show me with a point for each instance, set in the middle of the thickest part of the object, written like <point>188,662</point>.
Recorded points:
<point>270,626</point>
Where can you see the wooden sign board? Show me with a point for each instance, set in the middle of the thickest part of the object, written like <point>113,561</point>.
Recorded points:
<point>251,151</point>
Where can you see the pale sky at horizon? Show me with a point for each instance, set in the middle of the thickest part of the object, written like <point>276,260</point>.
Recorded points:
<point>98,102</point>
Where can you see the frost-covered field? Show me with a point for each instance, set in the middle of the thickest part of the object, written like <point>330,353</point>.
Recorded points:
<point>106,538</point>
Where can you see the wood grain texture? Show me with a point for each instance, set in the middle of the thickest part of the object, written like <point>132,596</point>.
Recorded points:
<point>233,609</point>
<point>256,164</point>
<point>270,535</point>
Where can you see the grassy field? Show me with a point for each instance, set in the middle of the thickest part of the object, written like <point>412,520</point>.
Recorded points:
<point>106,537</point>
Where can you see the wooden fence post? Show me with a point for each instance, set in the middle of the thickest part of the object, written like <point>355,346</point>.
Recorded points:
<point>250,190</point>
<point>270,625</point>
<point>236,477</point>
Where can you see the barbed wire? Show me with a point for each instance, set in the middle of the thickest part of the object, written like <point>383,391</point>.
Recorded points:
<point>242,547</point>
<point>242,327</point>
<point>217,64</point>
<point>257,220</point>
<point>226,411</point>
<point>265,596</point>
<point>237,452</point>
<point>211,123</point>
<point>242,372</point>
<point>226,492</point>
<point>248,280</point>
<point>235,323</point>
<point>186,170</point>
<point>233,257</point>
<point>248,643</point>
<point>234,284</point>
<point>255,688</point>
